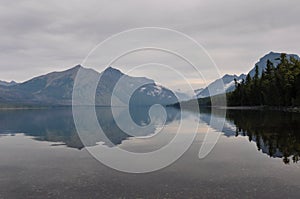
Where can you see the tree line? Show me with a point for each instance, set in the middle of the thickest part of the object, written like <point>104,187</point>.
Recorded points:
<point>275,86</point>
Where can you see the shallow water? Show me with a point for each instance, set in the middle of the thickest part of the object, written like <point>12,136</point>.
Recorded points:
<point>41,155</point>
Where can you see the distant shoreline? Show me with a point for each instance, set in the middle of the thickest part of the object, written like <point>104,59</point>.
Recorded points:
<point>262,108</point>
<point>40,107</point>
<point>266,108</point>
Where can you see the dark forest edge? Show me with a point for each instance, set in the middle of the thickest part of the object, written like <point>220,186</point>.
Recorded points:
<point>276,87</point>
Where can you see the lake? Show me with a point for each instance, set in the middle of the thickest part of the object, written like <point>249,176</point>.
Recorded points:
<point>256,155</point>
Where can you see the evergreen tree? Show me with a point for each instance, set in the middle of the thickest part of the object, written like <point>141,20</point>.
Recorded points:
<point>278,86</point>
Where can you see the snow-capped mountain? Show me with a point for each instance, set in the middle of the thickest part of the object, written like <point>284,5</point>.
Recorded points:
<point>56,88</point>
<point>215,87</point>
<point>147,92</point>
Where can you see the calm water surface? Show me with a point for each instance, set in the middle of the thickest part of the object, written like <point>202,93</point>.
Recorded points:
<point>41,156</point>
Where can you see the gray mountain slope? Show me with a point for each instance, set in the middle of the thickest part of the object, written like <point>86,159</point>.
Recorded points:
<point>56,88</point>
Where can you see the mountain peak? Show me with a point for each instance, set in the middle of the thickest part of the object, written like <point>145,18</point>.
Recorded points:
<point>114,71</point>
<point>77,67</point>
<point>4,83</point>
<point>274,57</point>
<point>272,52</point>
<point>270,55</point>
<point>228,76</point>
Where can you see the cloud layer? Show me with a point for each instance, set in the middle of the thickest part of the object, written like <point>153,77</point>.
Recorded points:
<point>41,36</point>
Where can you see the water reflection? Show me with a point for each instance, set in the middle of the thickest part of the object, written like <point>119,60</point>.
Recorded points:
<point>54,125</point>
<point>57,125</point>
<point>275,133</point>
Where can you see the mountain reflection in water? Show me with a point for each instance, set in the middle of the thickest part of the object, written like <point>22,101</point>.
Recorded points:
<point>275,133</point>
<point>57,125</point>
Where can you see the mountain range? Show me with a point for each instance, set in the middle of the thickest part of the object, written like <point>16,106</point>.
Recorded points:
<point>228,80</point>
<point>56,89</point>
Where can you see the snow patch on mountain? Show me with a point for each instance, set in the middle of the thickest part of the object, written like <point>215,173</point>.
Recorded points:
<point>226,83</point>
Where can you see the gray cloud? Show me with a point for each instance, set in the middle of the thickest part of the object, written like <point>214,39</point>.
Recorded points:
<point>42,36</point>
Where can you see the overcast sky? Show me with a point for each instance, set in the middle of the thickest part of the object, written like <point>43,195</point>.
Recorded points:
<point>39,36</point>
